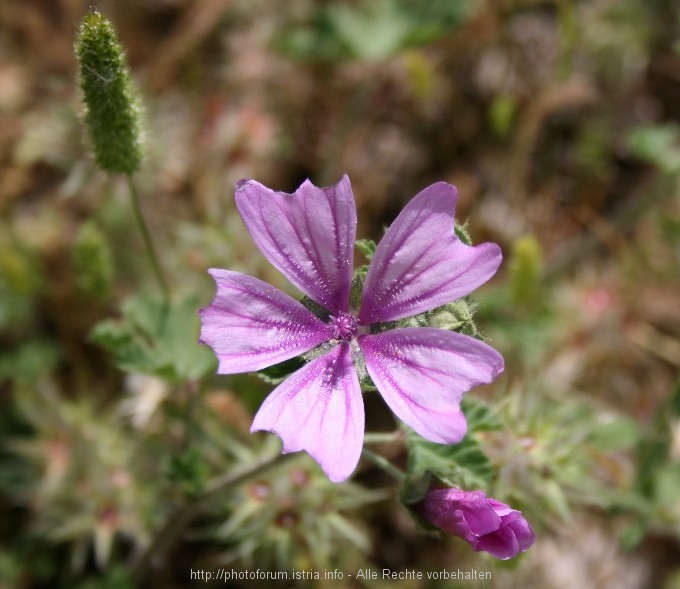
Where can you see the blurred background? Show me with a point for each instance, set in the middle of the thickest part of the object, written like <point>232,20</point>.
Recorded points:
<point>558,121</point>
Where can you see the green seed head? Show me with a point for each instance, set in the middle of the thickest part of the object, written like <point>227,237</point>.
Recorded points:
<point>112,108</point>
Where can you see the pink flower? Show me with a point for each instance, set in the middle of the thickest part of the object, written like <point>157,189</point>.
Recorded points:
<point>420,264</point>
<point>484,523</point>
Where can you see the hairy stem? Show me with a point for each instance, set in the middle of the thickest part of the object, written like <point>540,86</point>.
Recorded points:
<point>148,242</point>
<point>382,437</point>
<point>384,464</point>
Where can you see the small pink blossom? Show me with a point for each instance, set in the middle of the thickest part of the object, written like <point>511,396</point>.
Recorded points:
<point>420,264</point>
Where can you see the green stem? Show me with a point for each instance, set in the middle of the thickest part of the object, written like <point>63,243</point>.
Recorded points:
<point>382,437</point>
<point>148,242</point>
<point>384,464</point>
<point>168,534</point>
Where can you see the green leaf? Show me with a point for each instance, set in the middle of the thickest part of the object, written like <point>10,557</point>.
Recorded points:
<point>617,432</point>
<point>321,312</point>
<point>657,144</point>
<point>119,339</point>
<point>153,339</point>
<point>92,262</point>
<point>377,32</point>
<point>29,361</point>
<point>463,465</point>
<point>435,18</point>
<point>666,485</point>
<point>462,232</point>
<point>374,30</point>
<point>357,290</point>
<point>554,496</point>
<point>480,416</point>
<point>178,344</point>
<point>366,247</point>
<point>189,470</point>
<point>456,316</point>
<point>279,372</point>
<point>415,488</point>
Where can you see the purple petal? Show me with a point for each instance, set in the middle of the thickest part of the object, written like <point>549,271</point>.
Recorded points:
<point>420,264</point>
<point>454,523</point>
<point>521,529</point>
<point>438,502</point>
<point>250,324</point>
<point>485,523</point>
<point>501,508</point>
<point>479,515</point>
<point>319,409</point>
<point>513,536</point>
<point>422,373</point>
<point>465,514</point>
<point>502,544</point>
<point>309,236</point>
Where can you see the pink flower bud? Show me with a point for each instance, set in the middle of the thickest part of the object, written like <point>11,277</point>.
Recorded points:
<point>484,523</point>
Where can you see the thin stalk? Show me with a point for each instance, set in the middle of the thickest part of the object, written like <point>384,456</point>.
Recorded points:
<point>384,464</point>
<point>148,242</point>
<point>175,524</point>
<point>382,437</point>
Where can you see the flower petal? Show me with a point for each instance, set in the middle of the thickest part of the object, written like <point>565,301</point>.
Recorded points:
<point>422,373</point>
<point>521,529</point>
<point>465,514</point>
<point>250,324</point>
<point>485,523</point>
<point>420,264</point>
<point>479,514</point>
<point>514,535</point>
<point>319,409</point>
<point>501,508</point>
<point>502,543</point>
<point>309,236</point>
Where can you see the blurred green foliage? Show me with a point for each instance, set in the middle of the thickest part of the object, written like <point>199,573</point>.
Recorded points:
<point>153,339</point>
<point>295,517</point>
<point>659,145</point>
<point>525,268</point>
<point>374,30</point>
<point>92,262</point>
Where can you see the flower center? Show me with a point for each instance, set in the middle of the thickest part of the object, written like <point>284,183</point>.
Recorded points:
<point>344,326</point>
